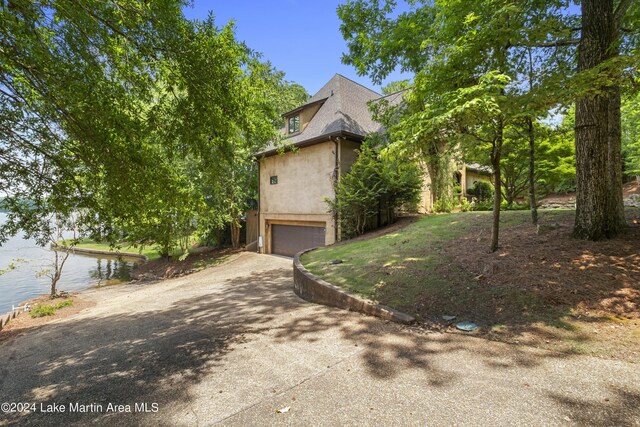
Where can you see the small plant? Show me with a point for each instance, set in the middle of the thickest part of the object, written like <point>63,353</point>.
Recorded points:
<point>50,309</point>
<point>445,204</point>
<point>465,205</point>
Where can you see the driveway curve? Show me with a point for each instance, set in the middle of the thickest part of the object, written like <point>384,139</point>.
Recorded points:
<point>233,345</point>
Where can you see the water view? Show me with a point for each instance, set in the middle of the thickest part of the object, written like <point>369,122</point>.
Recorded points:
<point>80,271</point>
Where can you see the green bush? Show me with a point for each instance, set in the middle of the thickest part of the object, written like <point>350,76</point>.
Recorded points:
<point>50,309</point>
<point>565,186</point>
<point>375,188</point>
<point>446,204</point>
<point>481,190</point>
<point>465,205</point>
<point>514,206</point>
<point>482,206</point>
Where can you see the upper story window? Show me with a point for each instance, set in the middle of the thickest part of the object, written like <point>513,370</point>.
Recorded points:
<point>294,124</point>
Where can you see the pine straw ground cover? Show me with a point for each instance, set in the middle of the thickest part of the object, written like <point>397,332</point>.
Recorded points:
<point>540,288</point>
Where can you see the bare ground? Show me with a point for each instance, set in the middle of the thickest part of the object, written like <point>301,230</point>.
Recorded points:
<point>550,290</point>
<point>24,322</point>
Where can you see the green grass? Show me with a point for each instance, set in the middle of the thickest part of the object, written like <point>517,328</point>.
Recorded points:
<point>410,270</point>
<point>123,248</point>
<point>372,267</point>
<point>49,309</point>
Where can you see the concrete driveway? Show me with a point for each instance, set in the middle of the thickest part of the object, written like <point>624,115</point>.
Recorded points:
<point>232,345</point>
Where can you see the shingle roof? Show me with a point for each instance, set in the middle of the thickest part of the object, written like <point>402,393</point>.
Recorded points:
<point>344,110</point>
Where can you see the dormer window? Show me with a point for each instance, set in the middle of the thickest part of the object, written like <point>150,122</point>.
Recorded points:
<point>294,124</point>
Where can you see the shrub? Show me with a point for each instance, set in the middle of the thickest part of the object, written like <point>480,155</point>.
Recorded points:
<point>481,190</point>
<point>50,309</point>
<point>514,206</point>
<point>445,204</point>
<point>477,205</point>
<point>465,205</point>
<point>375,188</point>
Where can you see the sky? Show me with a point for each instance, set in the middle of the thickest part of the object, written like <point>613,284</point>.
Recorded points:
<point>300,37</point>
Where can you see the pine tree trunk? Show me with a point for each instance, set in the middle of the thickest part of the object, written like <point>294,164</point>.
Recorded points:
<point>532,166</point>
<point>615,201</point>
<point>496,154</point>
<point>591,132</point>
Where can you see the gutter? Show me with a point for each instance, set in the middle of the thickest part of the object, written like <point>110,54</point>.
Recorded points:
<point>313,141</point>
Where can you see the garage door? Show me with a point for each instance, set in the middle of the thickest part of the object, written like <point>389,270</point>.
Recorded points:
<point>288,240</point>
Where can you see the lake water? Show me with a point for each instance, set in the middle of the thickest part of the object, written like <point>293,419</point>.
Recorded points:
<point>79,272</point>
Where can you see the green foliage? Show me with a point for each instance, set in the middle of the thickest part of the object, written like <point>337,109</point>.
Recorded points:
<point>396,86</point>
<point>444,205</point>
<point>480,68</point>
<point>465,205</point>
<point>482,206</point>
<point>631,135</point>
<point>379,183</point>
<point>482,191</point>
<point>49,309</point>
<point>514,206</point>
<point>137,120</point>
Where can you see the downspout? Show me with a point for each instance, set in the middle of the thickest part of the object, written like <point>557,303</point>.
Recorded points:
<point>336,176</point>
<point>260,240</point>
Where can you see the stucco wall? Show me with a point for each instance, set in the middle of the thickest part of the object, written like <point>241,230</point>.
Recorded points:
<point>426,198</point>
<point>473,176</point>
<point>305,180</point>
<point>348,155</point>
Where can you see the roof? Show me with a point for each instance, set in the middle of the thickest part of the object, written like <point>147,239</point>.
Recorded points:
<point>344,112</point>
<point>478,168</point>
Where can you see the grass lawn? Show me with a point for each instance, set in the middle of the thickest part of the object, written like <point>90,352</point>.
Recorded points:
<point>544,289</point>
<point>123,249</point>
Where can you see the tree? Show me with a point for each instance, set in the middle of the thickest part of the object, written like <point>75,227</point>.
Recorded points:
<point>631,135</point>
<point>533,42</point>
<point>396,86</point>
<point>461,54</point>
<point>599,206</point>
<point>380,182</point>
<point>106,107</point>
<point>555,159</point>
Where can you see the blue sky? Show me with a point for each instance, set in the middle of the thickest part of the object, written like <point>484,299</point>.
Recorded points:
<point>300,37</point>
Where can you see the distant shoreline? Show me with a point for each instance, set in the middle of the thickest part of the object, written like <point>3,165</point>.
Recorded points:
<point>85,251</point>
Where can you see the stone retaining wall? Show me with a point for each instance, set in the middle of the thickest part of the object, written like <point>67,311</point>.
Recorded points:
<point>313,289</point>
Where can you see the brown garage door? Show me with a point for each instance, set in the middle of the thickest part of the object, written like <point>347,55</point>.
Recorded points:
<point>288,240</point>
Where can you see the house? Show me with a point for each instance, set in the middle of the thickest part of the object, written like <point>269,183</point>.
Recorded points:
<point>321,137</point>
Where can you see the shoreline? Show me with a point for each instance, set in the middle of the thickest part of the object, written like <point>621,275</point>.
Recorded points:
<point>147,271</point>
<point>116,254</point>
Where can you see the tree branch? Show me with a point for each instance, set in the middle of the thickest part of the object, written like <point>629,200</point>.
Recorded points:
<point>621,10</point>
<point>559,43</point>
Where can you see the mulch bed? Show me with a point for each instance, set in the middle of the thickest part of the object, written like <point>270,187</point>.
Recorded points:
<point>548,279</point>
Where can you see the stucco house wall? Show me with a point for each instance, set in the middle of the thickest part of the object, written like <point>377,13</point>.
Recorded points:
<point>305,179</point>
<point>470,176</point>
<point>348,155</point>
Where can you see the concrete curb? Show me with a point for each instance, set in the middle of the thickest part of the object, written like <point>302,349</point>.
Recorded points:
<point>99,252</point>
<point>313,289</point>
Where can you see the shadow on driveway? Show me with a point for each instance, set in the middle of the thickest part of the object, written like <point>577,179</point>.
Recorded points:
<point>157,356</point>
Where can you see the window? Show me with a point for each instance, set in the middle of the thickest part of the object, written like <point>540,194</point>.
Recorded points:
<point>273,180</point>
<point>294,124</point>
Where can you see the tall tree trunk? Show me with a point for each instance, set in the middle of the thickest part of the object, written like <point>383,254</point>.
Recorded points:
<point>615,200</point>
<point>496,154</point>
<point>235,234</point>
<point>532,169</point>
<point>591,132</point>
